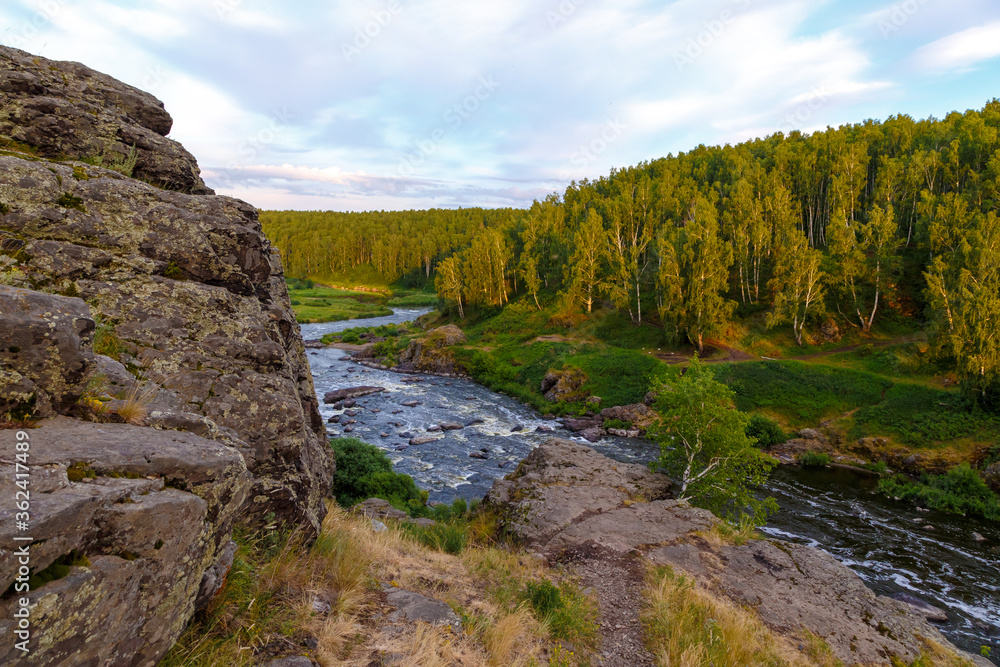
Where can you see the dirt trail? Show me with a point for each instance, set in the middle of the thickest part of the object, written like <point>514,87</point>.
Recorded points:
<point>617,580</point>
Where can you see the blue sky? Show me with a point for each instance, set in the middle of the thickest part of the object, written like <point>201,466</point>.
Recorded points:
<point>400,104</point>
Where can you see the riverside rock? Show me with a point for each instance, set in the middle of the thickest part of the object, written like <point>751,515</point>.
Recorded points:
<point>338,395</point>
<point>566,499</point>
<point>431,353</point>
<point>182,289</point>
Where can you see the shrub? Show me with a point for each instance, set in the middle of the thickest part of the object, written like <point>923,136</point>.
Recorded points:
<point>364,471</point>
<point>543,597</point>
<point>960,491</point>
<point>66,200</point>
<point>766,431</point>
<point>814,459</point>
<point>351,337</point>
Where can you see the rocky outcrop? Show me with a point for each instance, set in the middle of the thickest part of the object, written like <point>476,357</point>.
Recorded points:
<point>121,301</point>
<point>64,110</point>
<point>565,500</point>
<point>45,354</point>
<point>565,386</point>
<point>141,517</point>
<point>430,354</point>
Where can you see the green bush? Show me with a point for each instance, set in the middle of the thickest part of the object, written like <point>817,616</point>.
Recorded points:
<point>351,337</point>
<point>543,597</point>
<point>364,471</point>
<point>617,424</point>
<point>814,459</point>
<point>960,491</point>
<point>766,431</point>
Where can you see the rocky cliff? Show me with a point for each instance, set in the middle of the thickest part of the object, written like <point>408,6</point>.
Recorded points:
<point>573,505</point>
<point>149,351</point>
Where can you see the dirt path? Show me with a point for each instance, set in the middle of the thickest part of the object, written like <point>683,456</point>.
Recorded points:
<point>617,580</point>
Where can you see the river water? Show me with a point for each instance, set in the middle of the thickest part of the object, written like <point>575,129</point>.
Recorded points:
<point>894,547</point>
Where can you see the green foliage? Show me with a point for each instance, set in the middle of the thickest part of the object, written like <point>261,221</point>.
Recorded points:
<point>703,441</point>
<point>765,431</point>
<point>364,471</point>
<point>879,467</point>
<point>618,330</point>
<point>617,424</point>
<point>451,538</point>
<point>924,417</point>
<point>350,337</point>
<point>544,597</point>
<point>814,459</point>
<point>173,271</point>
<point>106,340</point>
<point>324,304</point>
<point>961,491</point>
<point>66,200</point>
<point>804,394</point>
<point>299,283</point>
<point>4,209</point>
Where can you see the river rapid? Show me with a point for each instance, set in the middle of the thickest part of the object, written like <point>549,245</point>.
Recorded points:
<point>894,547</point>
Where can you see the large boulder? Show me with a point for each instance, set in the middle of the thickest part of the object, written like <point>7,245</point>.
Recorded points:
<point>565,386</point>
<point>45,358</point>
<point>66,110</point>
<point>193,295</point>
<point>140,520</point>
<point>566,500</point>
<point>431,353</point>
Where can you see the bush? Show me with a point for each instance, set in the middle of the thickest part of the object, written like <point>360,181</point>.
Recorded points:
<point>450,538</point>
<point>364,471</point>
<point>960,491</point>
<point>766,431</point>
<point>814,459</point>
<point>351,337</point>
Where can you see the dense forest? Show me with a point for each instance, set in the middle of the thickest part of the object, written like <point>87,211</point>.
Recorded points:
<point>846,227</point>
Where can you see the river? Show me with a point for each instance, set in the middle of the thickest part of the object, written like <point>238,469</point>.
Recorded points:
<point>888,544</point>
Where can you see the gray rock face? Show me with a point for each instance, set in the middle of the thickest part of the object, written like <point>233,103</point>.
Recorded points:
<point>66,110</point>
<point>153,551</point>
<point>189,292</point>
<point>567,499</point>
<point>195,294</point>
<point>45,357</point>
<point>414,607</point>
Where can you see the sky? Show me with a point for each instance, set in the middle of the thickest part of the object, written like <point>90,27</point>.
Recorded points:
<point>414,104</point>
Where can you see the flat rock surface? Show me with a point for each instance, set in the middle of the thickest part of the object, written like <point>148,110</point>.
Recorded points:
<point>574,505</point>
<point>414,607</point>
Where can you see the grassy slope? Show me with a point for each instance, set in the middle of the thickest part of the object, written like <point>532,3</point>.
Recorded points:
<point>330,304</point>
<point>881,384</point>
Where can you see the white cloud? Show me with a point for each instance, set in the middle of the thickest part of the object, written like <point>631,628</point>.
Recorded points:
<point>961,49</point>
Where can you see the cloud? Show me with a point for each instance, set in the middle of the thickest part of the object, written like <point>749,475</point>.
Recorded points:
<point>961,49</point>
<point>264,94</point>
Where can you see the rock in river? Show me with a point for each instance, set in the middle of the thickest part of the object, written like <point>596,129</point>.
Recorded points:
<point>423,441</point>
<point>351,392</point>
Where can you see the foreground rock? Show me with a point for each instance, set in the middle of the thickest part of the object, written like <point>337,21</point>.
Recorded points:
<point>113,285</point>
<point>147,553</point>
<point>568,502</point>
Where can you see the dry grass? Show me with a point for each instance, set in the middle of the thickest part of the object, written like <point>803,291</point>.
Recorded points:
<point>267,607</point>
<point>687,627</point>
<point>134,405</point>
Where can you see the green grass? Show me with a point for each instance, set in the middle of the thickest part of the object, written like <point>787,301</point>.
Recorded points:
<point>814,459</point>
<point>325,304</point>
<point>925,417</point>
<point>801,393</point>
